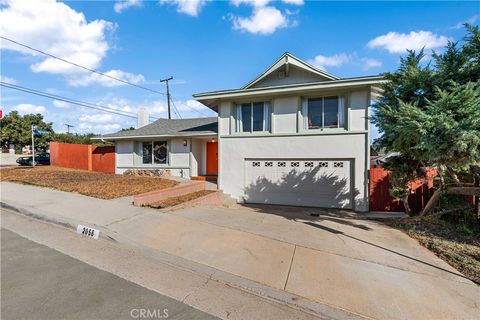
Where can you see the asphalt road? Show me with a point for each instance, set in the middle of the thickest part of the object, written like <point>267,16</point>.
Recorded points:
<point>38,282</point>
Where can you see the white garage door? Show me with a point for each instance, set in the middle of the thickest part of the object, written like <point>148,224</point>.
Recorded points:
<point>301,182</point>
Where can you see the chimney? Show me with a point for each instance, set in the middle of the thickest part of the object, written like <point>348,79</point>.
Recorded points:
<point>142,118</point>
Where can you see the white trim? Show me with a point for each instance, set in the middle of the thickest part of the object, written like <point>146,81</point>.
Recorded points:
<point>287,59</point>
<point>286,89</point>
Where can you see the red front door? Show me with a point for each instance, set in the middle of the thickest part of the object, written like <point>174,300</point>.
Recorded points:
<point>212,158</point>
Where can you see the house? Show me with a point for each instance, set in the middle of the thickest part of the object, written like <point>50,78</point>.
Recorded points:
<point>295,135</point>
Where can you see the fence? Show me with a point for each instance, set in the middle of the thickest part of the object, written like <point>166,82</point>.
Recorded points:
<point>380,199</point>
<point>82,156</point>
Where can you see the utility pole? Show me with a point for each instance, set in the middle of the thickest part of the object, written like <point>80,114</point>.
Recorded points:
<point>168,95</point>
<point>68,127</point>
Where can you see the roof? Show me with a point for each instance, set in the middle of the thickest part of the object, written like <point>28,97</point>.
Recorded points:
<point>288,59</point>
<point>211,99</point>
<point>168,127</point>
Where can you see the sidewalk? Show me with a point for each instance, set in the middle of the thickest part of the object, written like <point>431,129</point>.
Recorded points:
<point>331,269</point>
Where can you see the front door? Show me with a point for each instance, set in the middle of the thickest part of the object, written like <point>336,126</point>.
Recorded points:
<point>212,158</point>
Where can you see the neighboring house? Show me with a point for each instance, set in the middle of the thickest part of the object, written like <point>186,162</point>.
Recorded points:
<point>295,135</point>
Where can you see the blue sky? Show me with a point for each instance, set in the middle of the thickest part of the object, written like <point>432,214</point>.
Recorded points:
<point>204,45</point>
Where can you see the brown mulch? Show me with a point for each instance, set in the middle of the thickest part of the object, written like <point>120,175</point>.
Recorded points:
<point>173,201</point>
<point>460,250</point>
<point>94,184</point>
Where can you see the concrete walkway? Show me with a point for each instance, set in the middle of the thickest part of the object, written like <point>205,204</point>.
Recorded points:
<point>359,266</point>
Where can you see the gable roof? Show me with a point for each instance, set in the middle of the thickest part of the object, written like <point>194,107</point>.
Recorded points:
<point>168,127</point>
<point>286,60</point>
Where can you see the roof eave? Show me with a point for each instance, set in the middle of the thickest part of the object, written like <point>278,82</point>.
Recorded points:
<point>183,135</point>
<point>343,83</point>
<point>286,56</point>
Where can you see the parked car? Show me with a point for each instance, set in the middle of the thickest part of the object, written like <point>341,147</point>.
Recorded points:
<point>41,158</point>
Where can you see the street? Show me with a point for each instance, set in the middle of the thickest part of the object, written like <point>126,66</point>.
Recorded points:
<point>41,283</point>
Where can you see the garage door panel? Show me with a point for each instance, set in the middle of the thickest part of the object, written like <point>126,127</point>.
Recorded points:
<point>318,183</point>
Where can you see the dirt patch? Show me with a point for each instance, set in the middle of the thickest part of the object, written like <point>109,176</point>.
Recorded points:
<point>173,201</point>
<point>458,248</point>
<point>94,184</point>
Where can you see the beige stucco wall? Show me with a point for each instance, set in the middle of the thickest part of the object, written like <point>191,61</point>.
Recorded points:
<point>234,151</point>
<point>128,156</point>
<point>288,139</point>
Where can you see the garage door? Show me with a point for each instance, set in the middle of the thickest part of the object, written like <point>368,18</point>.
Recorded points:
<point>301,182</point>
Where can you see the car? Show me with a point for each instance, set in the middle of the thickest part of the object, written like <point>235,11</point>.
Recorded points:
<point>41,158</point>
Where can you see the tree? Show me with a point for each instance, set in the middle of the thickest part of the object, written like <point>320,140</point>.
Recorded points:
<point>431,115</point>
<point>16,129</point>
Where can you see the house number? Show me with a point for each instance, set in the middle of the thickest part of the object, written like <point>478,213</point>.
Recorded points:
<point>87,231</point>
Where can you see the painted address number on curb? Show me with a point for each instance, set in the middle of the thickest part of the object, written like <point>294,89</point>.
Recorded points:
<point>87,231</point>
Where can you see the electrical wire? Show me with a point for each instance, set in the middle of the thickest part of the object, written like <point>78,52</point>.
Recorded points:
<point>68,100</point>
<point>80,66</point>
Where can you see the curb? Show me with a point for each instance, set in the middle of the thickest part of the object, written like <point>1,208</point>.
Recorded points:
<point>318,309</point>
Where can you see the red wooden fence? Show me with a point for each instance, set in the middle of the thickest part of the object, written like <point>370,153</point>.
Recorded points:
<point>82,156</point>
<point>380,199</point>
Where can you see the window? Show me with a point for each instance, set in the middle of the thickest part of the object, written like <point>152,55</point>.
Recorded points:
<point>256,164</point>
<point>154,152</point>
<point>253,117</point>
<point>309,164</point>
<point>269,164</point>
<point>295,164</point>
<point>323,164</point>
<point>324,112</point>
<point>281,164</point>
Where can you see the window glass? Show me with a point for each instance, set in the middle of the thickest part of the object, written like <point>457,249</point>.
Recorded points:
<point>147,152</point>
<point>314,113</point>
<point>160,152</point>
<point>258,116</point>
<point>330,112</point>
<point>246,117</point>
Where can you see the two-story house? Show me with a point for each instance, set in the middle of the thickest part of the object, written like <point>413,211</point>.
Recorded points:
<point>295,135</point>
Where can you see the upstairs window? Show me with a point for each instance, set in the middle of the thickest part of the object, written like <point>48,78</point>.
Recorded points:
<point>253,117</point>
<point>154,152</point>
<point>324,112</point>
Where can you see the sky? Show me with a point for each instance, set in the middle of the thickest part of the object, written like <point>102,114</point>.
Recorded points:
<point>204,45</point>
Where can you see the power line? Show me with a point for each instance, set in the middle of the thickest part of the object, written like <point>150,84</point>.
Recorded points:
<point>68,100</point>
<point>191,108</point>
<point>176,110</point>
<point>80,66</point>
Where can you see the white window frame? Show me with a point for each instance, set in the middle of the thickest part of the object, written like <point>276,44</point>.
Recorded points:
<point>266,117</point>
<point>340,113</point>
<point>152,159</point>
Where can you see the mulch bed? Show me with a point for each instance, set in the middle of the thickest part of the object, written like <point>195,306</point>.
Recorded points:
<point>461,250</point>
<point>94,184</point>
<point>173,201</point>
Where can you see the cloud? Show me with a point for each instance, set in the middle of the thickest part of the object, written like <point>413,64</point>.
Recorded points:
<point>472,20</point>
<point>369,63</point>
<point>97,118</point>
<point>61,104</point>
<point>395,42</point>
<point>341,59</point>
<point>190,7</point>
<point>57,29</point>
<point>27,108</point>
<point>7,79</point>
<point>254,3</point>
<point>336,60</point>
<point>294,2</point>
<point>119,6</point>
<point>264,20</point>
<point>94,78</point>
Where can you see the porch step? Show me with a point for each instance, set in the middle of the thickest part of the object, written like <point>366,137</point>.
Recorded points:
<point>205,178</point>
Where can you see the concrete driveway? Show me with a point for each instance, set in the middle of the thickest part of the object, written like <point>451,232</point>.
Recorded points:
<point>359,266</point>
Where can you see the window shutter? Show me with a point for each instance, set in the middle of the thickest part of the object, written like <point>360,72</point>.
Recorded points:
<point>239,118</point>
<point>341,112</point>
